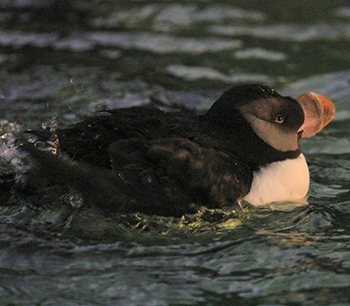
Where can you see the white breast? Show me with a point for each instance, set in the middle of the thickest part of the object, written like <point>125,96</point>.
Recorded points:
<point>286,180</point>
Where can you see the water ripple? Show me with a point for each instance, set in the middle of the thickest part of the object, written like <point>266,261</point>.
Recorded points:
<point>162,44</point>
<point>198,73</point>
<point>288,32</point>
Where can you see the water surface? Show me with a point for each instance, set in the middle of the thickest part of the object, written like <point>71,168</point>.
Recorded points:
<point>62,61</point>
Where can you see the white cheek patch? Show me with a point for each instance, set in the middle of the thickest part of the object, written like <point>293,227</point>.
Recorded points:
<point>286,180</point>
<point>273,135</point>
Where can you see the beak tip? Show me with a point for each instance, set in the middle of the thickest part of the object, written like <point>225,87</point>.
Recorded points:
<point>318,110</point>
<point>328,109</point>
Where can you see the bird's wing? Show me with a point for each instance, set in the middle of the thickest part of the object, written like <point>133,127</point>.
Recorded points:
<point>171,177</point>
<point>178,175</point>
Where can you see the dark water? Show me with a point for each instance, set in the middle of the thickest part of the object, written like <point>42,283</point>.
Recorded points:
<point>64,60</point>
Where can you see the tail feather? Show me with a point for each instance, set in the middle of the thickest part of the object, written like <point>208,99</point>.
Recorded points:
<point>98,186</point>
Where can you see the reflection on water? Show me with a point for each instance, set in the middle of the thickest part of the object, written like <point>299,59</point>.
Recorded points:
<point>64,60</point>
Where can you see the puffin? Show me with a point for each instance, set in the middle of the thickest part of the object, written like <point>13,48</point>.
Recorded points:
<point>142,159</point>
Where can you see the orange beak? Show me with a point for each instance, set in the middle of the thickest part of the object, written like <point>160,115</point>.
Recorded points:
<point>318,111</point>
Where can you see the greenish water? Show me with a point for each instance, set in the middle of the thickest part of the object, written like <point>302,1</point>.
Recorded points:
<point>62,61</point>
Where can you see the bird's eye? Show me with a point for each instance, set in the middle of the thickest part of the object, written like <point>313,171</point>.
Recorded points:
<point>279,119</point>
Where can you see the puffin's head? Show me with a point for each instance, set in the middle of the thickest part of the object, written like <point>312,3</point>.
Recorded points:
<point>279,121</point>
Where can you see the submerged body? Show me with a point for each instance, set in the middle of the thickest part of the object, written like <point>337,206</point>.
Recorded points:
<point>146,160</point>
